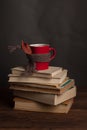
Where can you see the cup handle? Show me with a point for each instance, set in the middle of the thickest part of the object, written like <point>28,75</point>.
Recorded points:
<point>54,53</point>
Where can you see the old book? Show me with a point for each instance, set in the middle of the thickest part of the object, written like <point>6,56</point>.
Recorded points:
<point>52,99</point>
<point>48,73</point>
<point>39,80</point>
<point>29,105</point>
<point>44,89</point>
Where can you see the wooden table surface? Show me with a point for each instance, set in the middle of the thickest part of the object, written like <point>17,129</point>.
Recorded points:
<point>76,119</point>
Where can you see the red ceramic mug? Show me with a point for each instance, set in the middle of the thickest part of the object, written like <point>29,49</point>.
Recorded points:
<point>42,49</point>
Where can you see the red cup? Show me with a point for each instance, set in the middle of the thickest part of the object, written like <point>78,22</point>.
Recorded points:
<point>42,49</point>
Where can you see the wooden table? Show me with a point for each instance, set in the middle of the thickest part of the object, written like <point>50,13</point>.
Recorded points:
<point>76,119</point>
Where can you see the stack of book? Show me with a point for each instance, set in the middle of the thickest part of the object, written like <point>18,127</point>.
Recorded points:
<point>48,90</point>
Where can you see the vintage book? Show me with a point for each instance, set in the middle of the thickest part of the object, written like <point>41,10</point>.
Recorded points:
<point>42,88</point>
<point>29,105</point>
<point>52,99</point>
<point>48,73</point>
<point>38,80</point>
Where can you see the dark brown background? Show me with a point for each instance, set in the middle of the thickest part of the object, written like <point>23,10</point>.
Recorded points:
<point>61,23</point>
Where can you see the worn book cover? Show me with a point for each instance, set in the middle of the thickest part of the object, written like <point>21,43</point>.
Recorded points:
<point>38,80</point>
<point>48,73</point>
<point>52,99</point>
<point>29,105</point>
<point>43,88</point>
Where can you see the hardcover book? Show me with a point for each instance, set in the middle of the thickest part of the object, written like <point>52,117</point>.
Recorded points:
<point>39,80</point>
<point>52,99</point>
<point>29,105</point>
<point>43,88</point>
<point>48,73</point>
